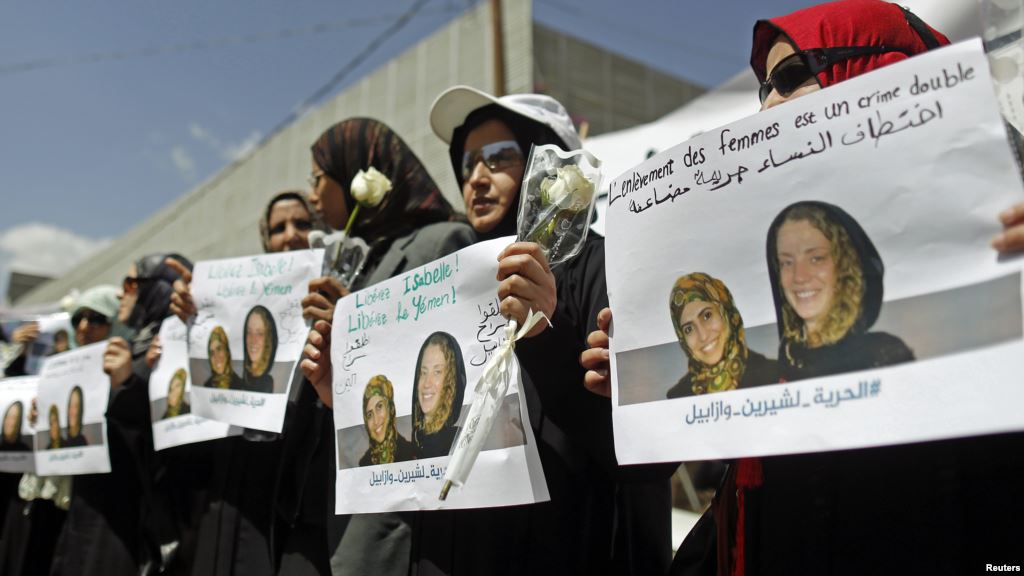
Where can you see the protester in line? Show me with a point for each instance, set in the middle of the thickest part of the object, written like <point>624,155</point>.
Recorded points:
<point>921,508</point>
<point>112,525</point>
<point>412,225</point>
<point>710,331</point>
<point>287,222</point>
<point>440,385</point>
<point>34,520</point>
<point>386,444</point>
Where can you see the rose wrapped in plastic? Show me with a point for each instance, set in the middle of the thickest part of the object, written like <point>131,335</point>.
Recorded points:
<point>557,200</point>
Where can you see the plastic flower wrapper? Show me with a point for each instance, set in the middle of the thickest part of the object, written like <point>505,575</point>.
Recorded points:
<point>1002,21</point>
<point>557,200</point>
<point>345,255</point>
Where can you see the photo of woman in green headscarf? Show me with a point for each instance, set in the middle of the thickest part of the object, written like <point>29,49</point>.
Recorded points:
<point>177,404</point>
<point>222,375</point>
<point>55,439</point>
<point>710,331</point>
<point>386,444</point>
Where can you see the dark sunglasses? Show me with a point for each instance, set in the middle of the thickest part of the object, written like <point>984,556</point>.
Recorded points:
<point>794,70</point>
<point>497,156</point>
<point>93,317</point>
<point>130,283</point>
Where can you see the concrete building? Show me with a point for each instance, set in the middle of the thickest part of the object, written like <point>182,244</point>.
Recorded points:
<point>218,218</point>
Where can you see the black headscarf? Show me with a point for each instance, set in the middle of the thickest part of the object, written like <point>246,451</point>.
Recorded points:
<point>527,133</point>
<point>156,284</point>
<point>414,200</point>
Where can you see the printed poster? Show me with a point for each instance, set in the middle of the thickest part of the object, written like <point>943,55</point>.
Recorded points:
<point>818,276</point>
<point>71,431</point>
<point>407,354</point>
<point>56,335</point>
<point>248,335</point>
<point>170,387</point>
<point>16,395</point>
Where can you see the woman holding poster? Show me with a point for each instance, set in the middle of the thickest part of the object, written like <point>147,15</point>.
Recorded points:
<point>710,331</point>
<point>260,348</point>
<point>827,282</point>
<point>437,395</point>
<point>386,444</point>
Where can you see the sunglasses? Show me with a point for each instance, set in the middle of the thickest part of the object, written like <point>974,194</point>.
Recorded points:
<point>497,156</point>
<point>131,283</point>
<point>794,70</point>
<point>94,318</point>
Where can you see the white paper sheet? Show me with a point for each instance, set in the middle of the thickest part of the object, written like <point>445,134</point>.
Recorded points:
<point>383,331</point>
<point>170,387</point>
<point>16,395</point>
<point>71,432</point>
<point>915,153</point>
<point>234,297</point>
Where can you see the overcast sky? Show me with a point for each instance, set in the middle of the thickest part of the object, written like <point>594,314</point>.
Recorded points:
<point>111,109</point>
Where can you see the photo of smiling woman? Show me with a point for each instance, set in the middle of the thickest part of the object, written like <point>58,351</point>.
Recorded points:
<point>222,375</point>
<point>710,331</point>
<point>260,349</point>
<point>76,408</point>
<point>11,440</point>
<point>177,405</point>
<point>437,395</point>
<point>826,277</point>
<point>386,444</point>
<point>55,439</point>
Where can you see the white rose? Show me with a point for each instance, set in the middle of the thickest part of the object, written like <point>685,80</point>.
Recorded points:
<point>569,181</point>
<point>369,187</point>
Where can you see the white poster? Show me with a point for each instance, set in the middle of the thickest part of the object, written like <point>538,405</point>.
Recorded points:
<point>16,395</point>
<point>71,431</point>
<point>170,387</point>
<point>248,334</point>
<point>56,335</point>
<point>822,270</point>
<point>407,354</point>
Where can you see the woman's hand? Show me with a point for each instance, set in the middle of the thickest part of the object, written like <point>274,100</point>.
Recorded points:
<point>1012,237</point>
<point>26,333</point>
<point>595,360</point>
<point>324,293</point>
<point>316,361</point>
<point>526,283</point>
<point>117,362</point>
<point>153,352</point>
<point>182,305</point>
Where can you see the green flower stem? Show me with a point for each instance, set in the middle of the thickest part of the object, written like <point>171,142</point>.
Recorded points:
<point>351,219</point>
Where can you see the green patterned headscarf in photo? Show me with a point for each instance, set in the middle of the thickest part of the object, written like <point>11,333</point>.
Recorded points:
<point>727,373</point>
<point>381,452</point>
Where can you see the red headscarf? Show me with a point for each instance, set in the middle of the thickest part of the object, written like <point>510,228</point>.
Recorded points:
<point>844,23</point>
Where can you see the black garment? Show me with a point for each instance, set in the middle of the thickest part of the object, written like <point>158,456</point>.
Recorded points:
<point>855,352</point>
<point>262,383</point>
<point>437,444</point>
<point>236,383</point>
<point>28,535</point>
<point>759,371</point>
<point>74,441</point>
<point>404,451</point>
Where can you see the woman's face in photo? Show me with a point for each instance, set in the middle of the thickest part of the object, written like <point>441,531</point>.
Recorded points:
<point>12,419</point>
<point>289,225</point>
<point>54,425</point>
<point>433,370</point>
<point>176,392</point>
<point>75,413</point>
<point>490,195</point>
<point>328,199</point>
<point>218,356</point>
<point>377,416</point>
<point>807,271</point>
<point>704,330</point>
<point>255,336</point>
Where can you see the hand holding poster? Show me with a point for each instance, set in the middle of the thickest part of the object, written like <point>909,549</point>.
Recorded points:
<point>247,335</point>
<point>403,352</point>
<point>71,431</point>
<point>170,394</point>
<point>824,269</point>
<point>16,396</point>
